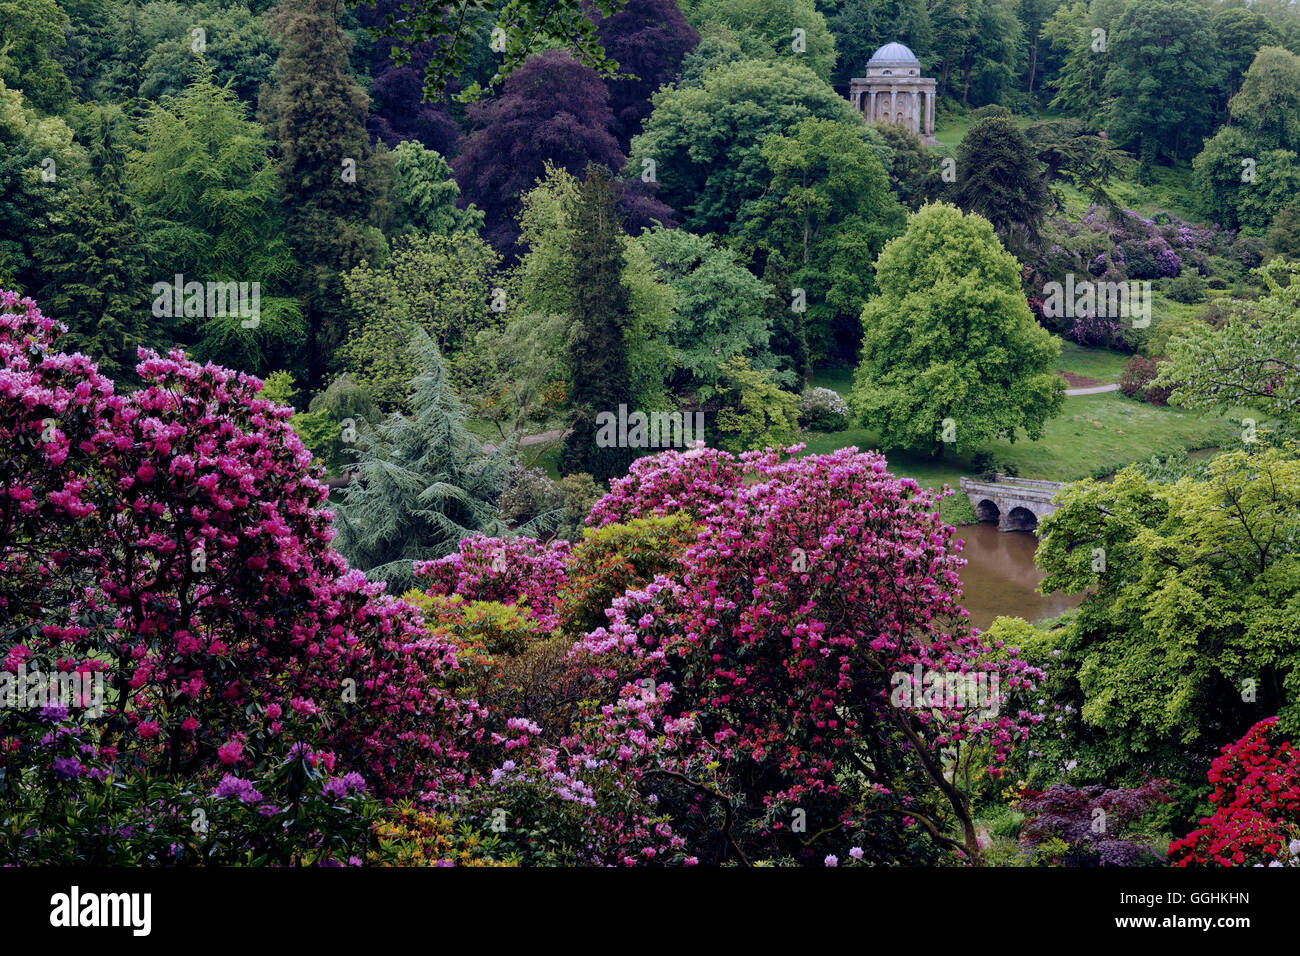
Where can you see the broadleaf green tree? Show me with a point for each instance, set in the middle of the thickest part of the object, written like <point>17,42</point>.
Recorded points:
<point>951,355</point>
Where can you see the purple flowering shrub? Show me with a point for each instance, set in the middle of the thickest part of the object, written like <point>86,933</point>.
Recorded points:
<point>1091,826</point>
<point>172,544</point>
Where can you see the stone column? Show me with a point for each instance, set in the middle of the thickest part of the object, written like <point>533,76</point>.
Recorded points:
<point>916,110</point>
<point>893,100</point>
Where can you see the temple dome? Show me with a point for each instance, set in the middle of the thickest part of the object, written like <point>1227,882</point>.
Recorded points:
<point>893,54</point>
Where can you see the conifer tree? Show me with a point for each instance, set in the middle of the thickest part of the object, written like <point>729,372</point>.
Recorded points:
<point>789,342</point>
<point>422,481</point>
<point>94,262</point>
<point>317,113</point>
<point>599,306</point>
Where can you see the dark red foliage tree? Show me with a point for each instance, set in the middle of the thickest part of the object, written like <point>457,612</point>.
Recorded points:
<point>553,109</point>
<point>648,39</point>
<point>398,109</point>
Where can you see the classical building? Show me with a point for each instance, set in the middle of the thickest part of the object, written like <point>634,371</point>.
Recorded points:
<point>894,91</point>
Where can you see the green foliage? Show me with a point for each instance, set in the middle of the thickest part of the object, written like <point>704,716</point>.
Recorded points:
<point>278,387</point>
<point>207,182</point>
<point>423,481</point>
<point>437,283</point>
<point>765,28</point>
<point>237,51</point>
<point>1079,82</point>
<point>454,30</point>
<point>600,307</point>
<point>913,172</point>
<point>755,412</point>
<point>527,365</point>
<point>31,34</point>
<point>1164,68</point>
<point>978,49</point>
<point>828,211</point>
<point>1184,640</point>
<point>720,306</point>
<point>951,337</point>
<point>425,193</point>
<point>999,177</point>
<point>94,260</point>
<point>28,197</point>
<point>329,182</point>
<point>706,140</point>
<point>1249,171</point>
<point>1252,361</point>
<point>1283,238</point>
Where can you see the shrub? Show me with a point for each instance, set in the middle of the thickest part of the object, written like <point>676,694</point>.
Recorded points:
<point>809,584</point>
<point>1136,378</point>
<point>410,836</point>
<point>616,558</point>
<point>1256,801</point>
<point>513,571</point>
<point>528,494</point>
<point>1091,826</point>
<point>173,540</point>
<point>1188,288</point>
<point>823,410</point>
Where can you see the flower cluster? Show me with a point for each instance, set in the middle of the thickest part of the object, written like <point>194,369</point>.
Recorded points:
<point>1257,803</point>
<point>176,539</point>
<point>512,571</point>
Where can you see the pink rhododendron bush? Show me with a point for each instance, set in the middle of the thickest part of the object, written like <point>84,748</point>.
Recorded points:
<point>169,549</point>
<point>784,673</point>
<point>757,681</point>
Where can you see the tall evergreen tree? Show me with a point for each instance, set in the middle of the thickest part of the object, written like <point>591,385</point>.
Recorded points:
<point>599,379</point>
<point>999,177</point>
<point>94,261</point>
<point>422,481</point>
<point>789,342</point>
<point>317,113</point>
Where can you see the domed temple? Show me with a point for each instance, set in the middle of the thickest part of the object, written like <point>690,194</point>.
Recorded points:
<point>894,91</point>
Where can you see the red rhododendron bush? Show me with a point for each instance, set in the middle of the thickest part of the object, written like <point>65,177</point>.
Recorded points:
<point>1256,796</point>
<point>763,686</point>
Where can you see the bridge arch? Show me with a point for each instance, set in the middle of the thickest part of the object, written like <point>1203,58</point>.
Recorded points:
<point>1016,504</point>
<point>1019,518</point>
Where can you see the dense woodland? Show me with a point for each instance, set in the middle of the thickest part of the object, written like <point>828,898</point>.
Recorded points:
<point>311,314</point>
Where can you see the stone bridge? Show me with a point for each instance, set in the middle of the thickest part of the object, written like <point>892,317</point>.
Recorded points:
<point>1016,504</point>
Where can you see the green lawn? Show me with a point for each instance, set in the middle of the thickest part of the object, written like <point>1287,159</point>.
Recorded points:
<point>1093,435</point>
<point>1101,364</point>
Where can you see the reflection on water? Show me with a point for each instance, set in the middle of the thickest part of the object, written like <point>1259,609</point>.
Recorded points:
<point>1000,577</point>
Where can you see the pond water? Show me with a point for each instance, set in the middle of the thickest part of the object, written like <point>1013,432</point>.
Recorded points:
<point>1000,577</point>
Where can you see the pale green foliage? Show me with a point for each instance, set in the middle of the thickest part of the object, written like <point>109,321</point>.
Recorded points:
<point>950,336</point>
<point>422,481</point>
<point>1254,360</point>
<point>278,387</point>
<point>209,189</point>
<point>720,306</point>
<point>1187,636</point>
<point>542,286</point>
<point>425,193</point>
<point>756,412</point>
<point>1250,169</point>
<point>442,285</point>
